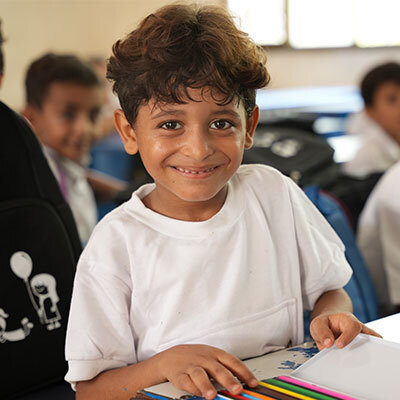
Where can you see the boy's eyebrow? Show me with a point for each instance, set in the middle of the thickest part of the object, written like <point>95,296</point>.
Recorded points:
<point>163,113</point>
<point>225,112</point>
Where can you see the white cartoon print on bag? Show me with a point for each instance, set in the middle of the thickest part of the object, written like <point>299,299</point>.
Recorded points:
<point>43,286</point>
<point>16,334</point>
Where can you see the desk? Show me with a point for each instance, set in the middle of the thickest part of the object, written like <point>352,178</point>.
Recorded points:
<point>388,327</point>
<point>283,362</point>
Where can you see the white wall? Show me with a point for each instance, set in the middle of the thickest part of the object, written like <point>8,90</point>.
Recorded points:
<point>346,66</point>
<point>90,27</point>
<point>85,27</point>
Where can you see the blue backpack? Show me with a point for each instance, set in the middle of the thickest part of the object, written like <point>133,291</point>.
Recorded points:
<point>360,287</point>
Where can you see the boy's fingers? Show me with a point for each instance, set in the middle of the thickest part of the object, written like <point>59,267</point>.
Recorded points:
<point>321,333</point>
<point>351,328</point>
<point>184,382</point>
<point>224,377</point>
<point>202,382</point>
<point>239,369</point>
<point>370,331</point>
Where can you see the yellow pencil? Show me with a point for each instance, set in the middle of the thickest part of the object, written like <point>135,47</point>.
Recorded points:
<point>285,391</point>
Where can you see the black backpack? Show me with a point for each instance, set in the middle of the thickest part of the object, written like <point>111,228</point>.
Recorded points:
<point>297,153</point>
<point>39,249</point>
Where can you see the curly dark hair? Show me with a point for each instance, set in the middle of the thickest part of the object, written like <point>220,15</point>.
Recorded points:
<point>376,77</point>
<point>183,46</point>
<point>51,68</point>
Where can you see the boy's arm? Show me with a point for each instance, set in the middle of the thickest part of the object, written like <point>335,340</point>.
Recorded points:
<point>332,319</point>
<point>106,187</point>
<point>188,367</point>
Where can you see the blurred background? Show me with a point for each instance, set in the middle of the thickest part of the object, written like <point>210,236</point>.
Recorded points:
<point>309,42</point>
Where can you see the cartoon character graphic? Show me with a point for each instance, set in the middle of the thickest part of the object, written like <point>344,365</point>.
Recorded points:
<point>43,286</point>
<point>17,334</point>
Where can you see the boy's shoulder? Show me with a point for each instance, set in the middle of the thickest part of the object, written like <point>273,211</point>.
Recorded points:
<point>260,174</point>
<point>122,218</point>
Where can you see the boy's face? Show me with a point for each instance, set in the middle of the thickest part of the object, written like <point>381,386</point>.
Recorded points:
<point>191,150</point>
<point>385,109</point>
<point>67,121</point>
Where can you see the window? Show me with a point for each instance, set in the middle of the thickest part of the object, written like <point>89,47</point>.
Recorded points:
<point>320,23</point>
<point>263,20</point>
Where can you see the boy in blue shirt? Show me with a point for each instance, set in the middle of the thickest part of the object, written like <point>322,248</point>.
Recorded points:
<point>214,262</point>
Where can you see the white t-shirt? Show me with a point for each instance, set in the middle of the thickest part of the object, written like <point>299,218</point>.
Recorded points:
<point>238,281</point>
<point>378,236</point>
<point>378,151</point>
<point>76,190</point>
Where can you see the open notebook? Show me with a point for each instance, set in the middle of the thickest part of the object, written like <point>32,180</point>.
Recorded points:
<point>366,369</point>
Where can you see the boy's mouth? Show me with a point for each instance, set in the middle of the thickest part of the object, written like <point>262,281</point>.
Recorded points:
<point>196,171</point>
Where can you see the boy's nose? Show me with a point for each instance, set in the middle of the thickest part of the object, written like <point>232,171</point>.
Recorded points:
<point>198,144</point>
<point>83,126</point>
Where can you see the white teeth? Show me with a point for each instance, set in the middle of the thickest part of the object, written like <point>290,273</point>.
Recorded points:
<point>188,171</point>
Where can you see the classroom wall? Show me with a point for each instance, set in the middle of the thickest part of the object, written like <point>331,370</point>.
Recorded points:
<point>90,27</point>
<point>85,27</point>
<point>346,66</point>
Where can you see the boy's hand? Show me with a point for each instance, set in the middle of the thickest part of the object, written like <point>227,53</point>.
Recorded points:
<point>344,327</point>
<point>190,367</point>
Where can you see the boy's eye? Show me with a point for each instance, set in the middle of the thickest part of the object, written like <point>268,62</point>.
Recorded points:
<point>68,115</point>
<point>171,125</point>
<point>94,115</point>
<point>221,124</point>
<point>392,99</point>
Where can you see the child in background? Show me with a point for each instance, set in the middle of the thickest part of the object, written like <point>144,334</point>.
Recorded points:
<point>64,97</point>
<point>378,238</point>
<point>378,125</point>
<point>213,262</point>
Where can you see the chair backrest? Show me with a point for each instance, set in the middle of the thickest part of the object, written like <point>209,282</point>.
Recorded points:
<point>360,287</point>
<point>299,154</point>
<point>39,249</point>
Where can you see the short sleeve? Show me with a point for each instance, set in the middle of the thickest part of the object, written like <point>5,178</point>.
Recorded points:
<point>323,265</point>
<point>99,336</point>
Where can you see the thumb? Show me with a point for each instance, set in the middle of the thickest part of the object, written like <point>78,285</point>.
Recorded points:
<point>321,333</point>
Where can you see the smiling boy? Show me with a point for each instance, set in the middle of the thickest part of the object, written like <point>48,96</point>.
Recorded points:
<point>214,262</point>
<point>378,124</point>
<point>64,97</point>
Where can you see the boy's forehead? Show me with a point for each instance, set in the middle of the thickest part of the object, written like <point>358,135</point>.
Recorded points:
<point>73,93</point>
<point>210,96</point>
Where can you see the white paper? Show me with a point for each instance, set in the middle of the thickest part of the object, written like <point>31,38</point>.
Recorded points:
<point>368,369</point>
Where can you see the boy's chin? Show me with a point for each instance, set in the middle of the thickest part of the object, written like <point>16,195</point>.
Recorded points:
<point>78,157</point>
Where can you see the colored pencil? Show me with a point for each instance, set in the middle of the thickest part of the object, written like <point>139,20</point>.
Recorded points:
<point>233,396</point>
<point>286,391</point>
<point>153,395</point>
<point>257,395</point>
<point>299,389</point>
<point>273,393</point>
<point>316,388</point>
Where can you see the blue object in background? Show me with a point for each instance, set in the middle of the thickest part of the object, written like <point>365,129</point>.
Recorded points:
<point>360,287</point>
<point>109,156</point>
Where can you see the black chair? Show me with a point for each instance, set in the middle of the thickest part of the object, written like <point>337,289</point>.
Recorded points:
<point>39,249</point>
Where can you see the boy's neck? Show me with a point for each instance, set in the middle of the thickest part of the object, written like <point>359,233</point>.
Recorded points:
<point>185,210</point>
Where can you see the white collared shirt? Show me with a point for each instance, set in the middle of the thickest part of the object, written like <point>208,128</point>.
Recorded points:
<point>378,151</point>
<point>72,179</point>
<point>378,236</point>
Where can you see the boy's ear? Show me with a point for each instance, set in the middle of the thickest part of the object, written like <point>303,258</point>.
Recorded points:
<point>29,112</point>
<point>126,132</point>
<point>370,111</point>
<point>251,126</point>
